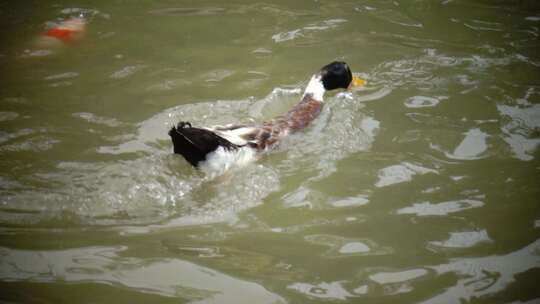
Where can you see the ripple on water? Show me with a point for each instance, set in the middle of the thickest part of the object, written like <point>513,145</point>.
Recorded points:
<point>185,11</point>
<point>31,140</point>
<point>155,128</point>
<point>61,79</point>
<point>344,128</point>
<point>477,277</point>
<point>62,76</point>
<point>342,247</point>
<point>389,15</point>
<point>197,284</point>
<point>126,71</point>
<point>520,132</point>
<point>464,239</point>
<point>169,84</point>
<point>479,25</point>
<point>6,116</point>
<point>354,247</point>
<point>92,118</point>
<point>217,75</point>
<point>70,11</point>
<point>397,282</point>
<point>471,147</point>
<point>37,53</point>
<point>421,102</point>
<point>353,201</point>
<point>481,276</point>
<point>307,30</point>
<point>160,189</point>
<point>323,290</point>
<point>403,172</point>
<point>444,208</point>
<point>398,276</point>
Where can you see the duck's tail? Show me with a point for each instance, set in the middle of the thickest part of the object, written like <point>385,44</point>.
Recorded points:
<point>195,144</point>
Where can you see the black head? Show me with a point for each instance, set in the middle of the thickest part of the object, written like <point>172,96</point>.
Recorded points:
<point>336,75</point>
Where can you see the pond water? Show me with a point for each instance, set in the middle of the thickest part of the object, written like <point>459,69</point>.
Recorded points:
<point>421,187</point>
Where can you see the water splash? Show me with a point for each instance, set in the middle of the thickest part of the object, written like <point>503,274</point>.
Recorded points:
<point>147,184</point>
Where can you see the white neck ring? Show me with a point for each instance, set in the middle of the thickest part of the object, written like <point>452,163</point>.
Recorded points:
<point>315,88</point>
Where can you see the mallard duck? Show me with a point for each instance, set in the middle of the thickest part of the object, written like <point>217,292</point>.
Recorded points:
<point>220,147</point>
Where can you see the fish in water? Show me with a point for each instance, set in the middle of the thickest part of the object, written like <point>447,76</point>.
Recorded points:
<point>218,148</point>
<point>67,31</point>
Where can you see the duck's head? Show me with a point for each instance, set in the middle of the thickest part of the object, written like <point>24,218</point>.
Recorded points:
<point>335,75</point>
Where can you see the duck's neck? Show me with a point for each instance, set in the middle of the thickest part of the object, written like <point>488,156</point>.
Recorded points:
<point>315,88</point>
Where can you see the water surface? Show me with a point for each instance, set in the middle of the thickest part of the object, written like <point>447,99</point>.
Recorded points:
<point>421,187</point>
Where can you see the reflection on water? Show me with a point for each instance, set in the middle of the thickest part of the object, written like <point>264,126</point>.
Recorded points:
<point>524,123</point>
<point>444,208</point>
<point>396,277</point>
<point>472,145</point>
<point>486,275</point>
<point>421,185</point>
<point>400,173</point>
<point>463,239</point>
<point>168,277</point>
<point>324,290</point>
<point>477,277</point>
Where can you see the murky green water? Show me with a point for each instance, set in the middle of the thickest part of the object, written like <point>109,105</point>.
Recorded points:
<point>422,187</point>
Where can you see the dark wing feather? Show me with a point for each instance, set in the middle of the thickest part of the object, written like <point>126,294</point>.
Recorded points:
<point>194,144</point>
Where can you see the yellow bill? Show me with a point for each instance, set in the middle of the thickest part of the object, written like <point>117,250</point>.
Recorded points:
<point>357,82</point>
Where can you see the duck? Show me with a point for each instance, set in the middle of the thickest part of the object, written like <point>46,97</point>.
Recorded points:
<point>218,148</point>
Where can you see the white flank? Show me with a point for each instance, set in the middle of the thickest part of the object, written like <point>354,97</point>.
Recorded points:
<point>221,160</point>
<point>235,136</point>
<point>316,88</point>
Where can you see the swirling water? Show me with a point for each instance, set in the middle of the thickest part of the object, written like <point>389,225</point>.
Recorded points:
<point>421,187</point>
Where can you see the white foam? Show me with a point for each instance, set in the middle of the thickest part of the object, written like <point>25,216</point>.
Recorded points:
<point>370,126</point>
<point>221,160</point>
<point>277,102</point>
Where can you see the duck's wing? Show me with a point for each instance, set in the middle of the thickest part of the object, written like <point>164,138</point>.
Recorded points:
<point>195,144</point>
<point>240,135</point>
